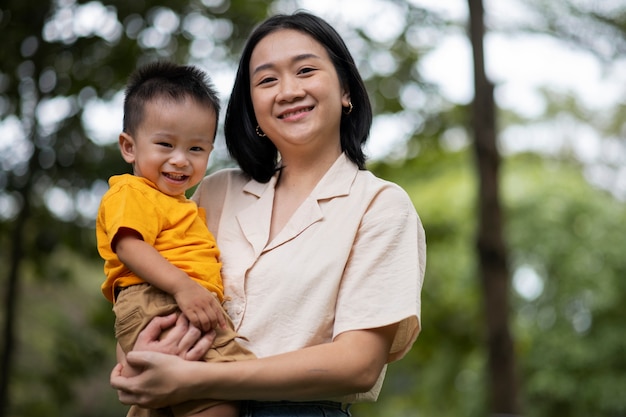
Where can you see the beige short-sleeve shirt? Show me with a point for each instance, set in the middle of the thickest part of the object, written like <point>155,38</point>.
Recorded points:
<point>351,257</point>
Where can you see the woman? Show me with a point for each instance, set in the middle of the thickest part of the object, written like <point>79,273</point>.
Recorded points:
<point>323,263</point>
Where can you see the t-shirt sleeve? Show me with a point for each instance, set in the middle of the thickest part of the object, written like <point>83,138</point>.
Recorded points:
<point>383,278</point>
<point>127,207</point>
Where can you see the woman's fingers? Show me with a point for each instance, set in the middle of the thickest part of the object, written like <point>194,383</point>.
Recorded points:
<point>151,334</point>
<point>176,336</point>
<point>122,385</point>
<point>200,347</point>
<point>154,386</point>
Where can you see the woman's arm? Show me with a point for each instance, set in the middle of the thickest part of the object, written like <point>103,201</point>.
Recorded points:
<point>349,364</point>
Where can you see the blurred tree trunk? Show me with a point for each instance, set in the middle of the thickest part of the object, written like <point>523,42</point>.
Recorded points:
<point>10,309</point>
<point>492,251</point>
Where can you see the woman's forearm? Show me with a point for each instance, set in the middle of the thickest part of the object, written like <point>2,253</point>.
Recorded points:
<point>351,364</point>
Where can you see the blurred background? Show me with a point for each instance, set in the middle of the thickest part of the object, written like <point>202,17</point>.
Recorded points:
<point>509,137</point>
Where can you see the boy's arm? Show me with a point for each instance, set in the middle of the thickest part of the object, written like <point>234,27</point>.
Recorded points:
<point>200,306</point>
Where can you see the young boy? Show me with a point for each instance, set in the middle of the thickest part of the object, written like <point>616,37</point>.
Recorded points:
<point>159,255</point>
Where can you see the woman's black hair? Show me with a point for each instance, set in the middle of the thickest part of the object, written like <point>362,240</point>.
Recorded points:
<point>257,156</point>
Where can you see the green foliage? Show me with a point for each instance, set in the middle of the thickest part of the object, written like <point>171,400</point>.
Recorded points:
<point>568,338</point>
<point>65,348</point>
<point>573,238</point>
<point>598,27</point>
<point>570,234</point>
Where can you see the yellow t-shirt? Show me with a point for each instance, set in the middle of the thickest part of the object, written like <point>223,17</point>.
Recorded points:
<point>174,226</point>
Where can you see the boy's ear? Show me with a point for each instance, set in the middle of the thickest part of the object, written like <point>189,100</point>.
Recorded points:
<point>127,147</point>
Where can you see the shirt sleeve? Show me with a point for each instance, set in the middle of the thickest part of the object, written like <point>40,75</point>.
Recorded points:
<point>383,278</point>
<point>211,194</point>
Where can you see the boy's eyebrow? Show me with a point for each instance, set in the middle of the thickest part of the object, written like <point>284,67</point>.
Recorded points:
<point>296,58</point>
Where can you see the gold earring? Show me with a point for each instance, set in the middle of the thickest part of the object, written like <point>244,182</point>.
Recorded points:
<point>259,132</point>
<point>350,107</point>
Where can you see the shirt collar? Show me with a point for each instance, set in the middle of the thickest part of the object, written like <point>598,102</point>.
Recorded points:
<point>336,182</point>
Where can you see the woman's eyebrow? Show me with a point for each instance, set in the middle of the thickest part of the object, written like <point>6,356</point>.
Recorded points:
<point>294,59</point>
<point>302,57</point>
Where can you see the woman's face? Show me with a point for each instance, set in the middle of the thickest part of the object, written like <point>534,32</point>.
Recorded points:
<point>296,93</point>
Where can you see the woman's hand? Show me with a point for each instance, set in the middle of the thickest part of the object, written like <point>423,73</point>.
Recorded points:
<point>157,385</point>
<point>174,335</point>
<point>150,369</point>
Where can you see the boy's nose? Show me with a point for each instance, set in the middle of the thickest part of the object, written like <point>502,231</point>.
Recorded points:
<point>178,159</point>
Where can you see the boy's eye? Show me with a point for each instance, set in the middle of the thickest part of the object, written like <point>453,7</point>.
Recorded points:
<point>197,148</point>
<point>165,144</point>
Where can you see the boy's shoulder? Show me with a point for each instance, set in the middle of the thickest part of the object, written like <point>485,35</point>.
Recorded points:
<point>130,182</point>
<point>128,187</point>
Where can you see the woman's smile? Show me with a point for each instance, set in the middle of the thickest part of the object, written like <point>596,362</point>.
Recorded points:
<point>292,114</point>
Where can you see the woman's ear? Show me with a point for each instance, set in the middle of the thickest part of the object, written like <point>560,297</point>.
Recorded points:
<point>127,147</point>
<point>345,99</point>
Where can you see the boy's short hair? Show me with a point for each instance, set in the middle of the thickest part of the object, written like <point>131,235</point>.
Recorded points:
<point>167,80</point>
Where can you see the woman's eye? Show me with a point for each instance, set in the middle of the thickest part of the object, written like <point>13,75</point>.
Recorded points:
<point>306,70</point>
<point>266,80</point>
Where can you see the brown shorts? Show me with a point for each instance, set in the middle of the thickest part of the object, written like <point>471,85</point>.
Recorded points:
<point>137,305</point>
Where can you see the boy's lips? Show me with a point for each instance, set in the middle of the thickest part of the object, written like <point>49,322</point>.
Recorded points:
<point>175,177</point>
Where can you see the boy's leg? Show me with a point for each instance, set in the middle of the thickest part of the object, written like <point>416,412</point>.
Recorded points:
<point>134,308</point>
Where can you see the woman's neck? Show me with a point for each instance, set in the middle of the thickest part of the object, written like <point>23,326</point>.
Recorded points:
<point>301,174</point>
<point>296,179</point>
<point>295,183</point>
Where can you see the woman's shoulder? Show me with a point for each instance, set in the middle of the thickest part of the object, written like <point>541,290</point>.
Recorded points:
<point>346,177</point>
<point>225,178</point>
<point>381,188</point>
<point>385,201</point>
<point>220,183</point>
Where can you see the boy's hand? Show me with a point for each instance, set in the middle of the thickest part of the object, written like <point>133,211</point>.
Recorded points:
<point>200,306</point>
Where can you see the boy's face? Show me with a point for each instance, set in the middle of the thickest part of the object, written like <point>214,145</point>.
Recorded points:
<point>172,145</point>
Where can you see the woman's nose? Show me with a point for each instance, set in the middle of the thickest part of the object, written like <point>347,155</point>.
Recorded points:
<point>290,89</point>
